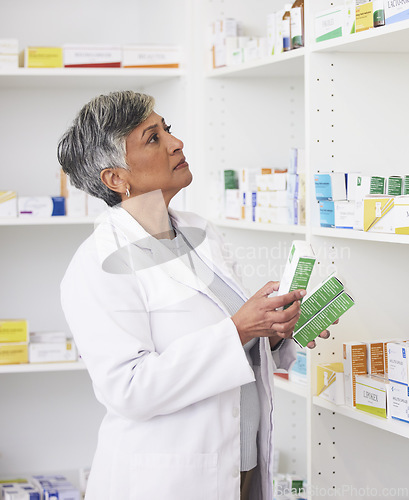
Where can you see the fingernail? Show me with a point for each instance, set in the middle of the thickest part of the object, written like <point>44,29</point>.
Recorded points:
<point>303,293</point>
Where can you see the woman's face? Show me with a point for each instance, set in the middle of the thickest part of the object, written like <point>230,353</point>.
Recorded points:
<point>156,160</point>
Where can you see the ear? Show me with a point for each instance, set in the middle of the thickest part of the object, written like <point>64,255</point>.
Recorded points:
<point>115,179</point>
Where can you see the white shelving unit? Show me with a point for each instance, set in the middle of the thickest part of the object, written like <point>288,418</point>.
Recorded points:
<point>50,414</point>
<point>43,367</point>
<point>341,100</point>
<point>259,226</point>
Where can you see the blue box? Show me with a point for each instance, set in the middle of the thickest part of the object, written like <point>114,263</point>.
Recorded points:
<point>58,206</point>
<point>330,186</point>
<point>327,213</point>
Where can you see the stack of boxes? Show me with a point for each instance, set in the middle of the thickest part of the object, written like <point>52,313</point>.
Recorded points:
<point>369,203</point>
<point>18,490</point>
<point>374,377</point>
<point>354,16</point>
<point>71,202</point>
<point>14,340</point>
<point>55,487</point>
<point>17,345</point>
<point>89,56</point>
<point>230,47</point>
<point>267,195</point>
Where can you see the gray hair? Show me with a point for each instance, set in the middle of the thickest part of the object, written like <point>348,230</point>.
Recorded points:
<point>96,140</point>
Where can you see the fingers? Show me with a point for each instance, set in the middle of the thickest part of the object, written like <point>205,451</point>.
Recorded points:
<point>270,287</point>
<point>325,334</point>
<point>287,298</point>
<point>284,315</point>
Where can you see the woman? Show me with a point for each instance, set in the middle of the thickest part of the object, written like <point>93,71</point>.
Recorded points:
<point>181,358</point>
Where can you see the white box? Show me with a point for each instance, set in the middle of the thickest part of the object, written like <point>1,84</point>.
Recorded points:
<point>371,394</point>
<point>92,56</point>
<point>8,53</point>
<point>329,23</point>
<point>52,352</point>
<point>396,11</point>
<point>349,19</point>
<point>41,206</point>
<point>271,33</point>
<point>398,362</point>
<point>344,214</point>
<point>354,360</point>
<point>330,382</point>
<point>277,182</point>
<point>352,182</point>
<point>398,401</point>
<point>151,56</point>
<point>401,215</point>
<point>232,204</point>
<point>298,268</point>
<point>8,204</point>
<point>47,337</point>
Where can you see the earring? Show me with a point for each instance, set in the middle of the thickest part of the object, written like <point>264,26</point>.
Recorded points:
<point>128,193</point>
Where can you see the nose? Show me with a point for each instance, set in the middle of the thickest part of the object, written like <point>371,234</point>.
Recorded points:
<point>175,144</point>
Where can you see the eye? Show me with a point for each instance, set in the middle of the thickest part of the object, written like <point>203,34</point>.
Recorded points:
<point>167,128</point>
<point>153,139</point>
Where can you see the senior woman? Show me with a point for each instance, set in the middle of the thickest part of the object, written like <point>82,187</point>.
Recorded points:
<point>178,354</point>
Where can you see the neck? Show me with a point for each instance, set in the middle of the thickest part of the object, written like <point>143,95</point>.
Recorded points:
<point>151,211</point>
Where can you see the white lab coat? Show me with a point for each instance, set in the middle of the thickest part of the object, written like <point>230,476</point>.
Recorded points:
<point>166,360</point>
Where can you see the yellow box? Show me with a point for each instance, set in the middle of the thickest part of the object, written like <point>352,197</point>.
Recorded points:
<point>378,214</point>
<point>13,353</point>
<point>8,204</point>
<point>44,57</point>
<point>364,16</point>
<point>330,382</point>
<point>13,330</point>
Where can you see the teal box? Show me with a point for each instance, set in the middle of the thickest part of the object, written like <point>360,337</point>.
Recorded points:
<point>327,213</point>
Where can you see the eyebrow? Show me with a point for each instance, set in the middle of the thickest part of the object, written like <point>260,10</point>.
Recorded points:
<point>152,127</point>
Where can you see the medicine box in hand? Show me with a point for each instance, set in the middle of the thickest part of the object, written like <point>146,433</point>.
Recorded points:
<point>298,268</point>
<point>322,306</point>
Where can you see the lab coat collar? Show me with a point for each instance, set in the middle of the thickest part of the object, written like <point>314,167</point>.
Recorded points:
<point>118,233</point>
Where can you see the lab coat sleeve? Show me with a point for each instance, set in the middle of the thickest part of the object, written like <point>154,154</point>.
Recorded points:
<point>111,325</point>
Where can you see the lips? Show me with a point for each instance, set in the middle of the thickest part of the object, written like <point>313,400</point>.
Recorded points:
<point>182,164</point>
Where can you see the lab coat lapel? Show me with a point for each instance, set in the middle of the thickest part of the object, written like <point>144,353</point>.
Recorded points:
<point>208,250</point>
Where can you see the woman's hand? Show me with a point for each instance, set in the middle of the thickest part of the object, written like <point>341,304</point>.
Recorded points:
<point>260,315</point>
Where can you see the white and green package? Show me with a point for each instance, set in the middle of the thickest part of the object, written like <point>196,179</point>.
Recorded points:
<point>318,298</point>
<point>320,309</point>
<point>298,268</point>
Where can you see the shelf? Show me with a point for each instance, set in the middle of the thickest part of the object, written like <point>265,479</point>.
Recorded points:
<point>42,367</point>
<point>85,77</point>
<point>45,221</point>
<point>391,38</point>
<point>386,424</point>
<point>360,235</point>
<point>285,64</point>
<point>292,387</point>
<point>258,226</point>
